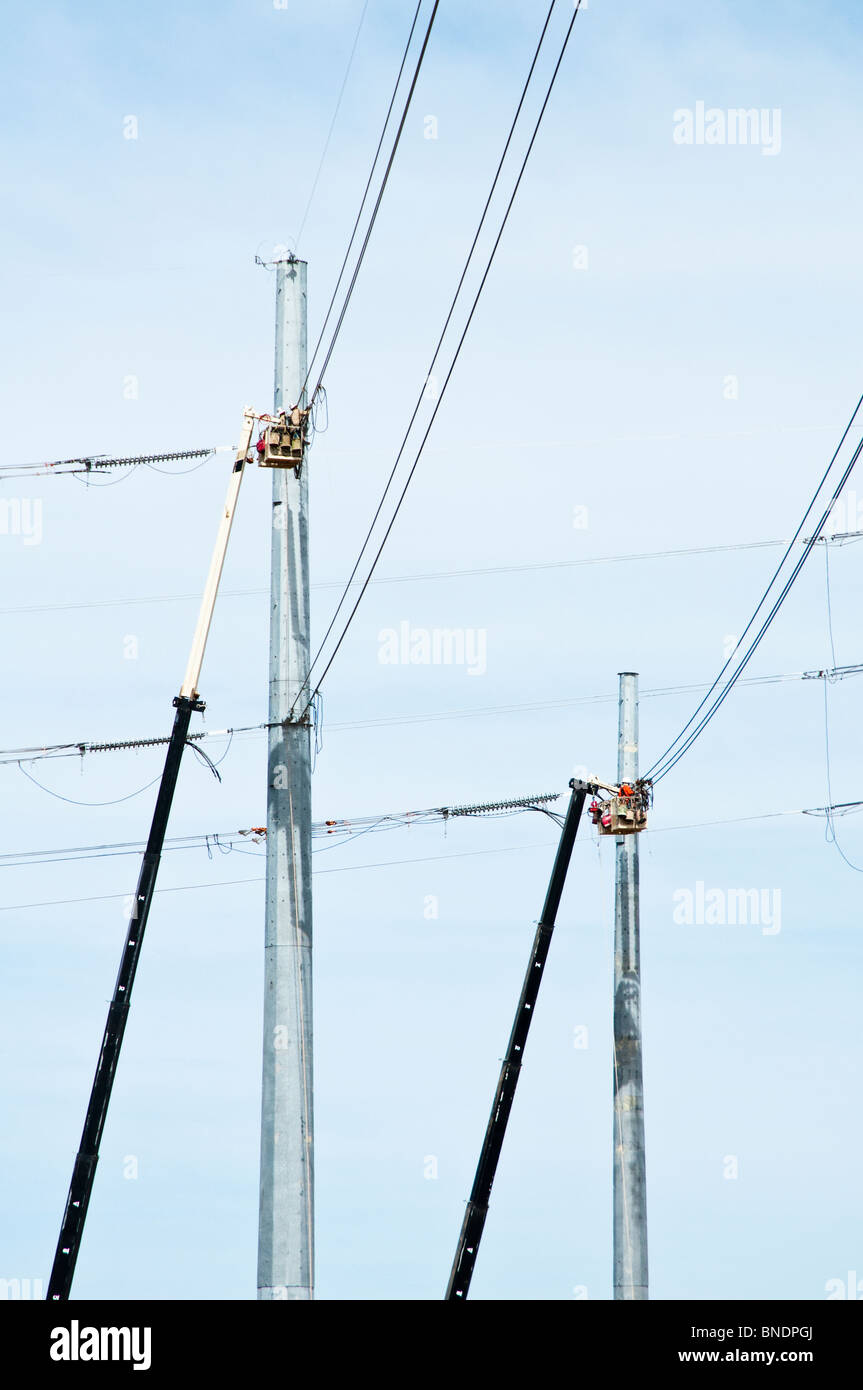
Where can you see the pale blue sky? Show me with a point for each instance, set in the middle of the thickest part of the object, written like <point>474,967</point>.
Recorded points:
<point>598,388</point>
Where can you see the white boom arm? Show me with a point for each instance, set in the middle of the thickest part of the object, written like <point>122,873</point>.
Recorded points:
<point>189,688</point>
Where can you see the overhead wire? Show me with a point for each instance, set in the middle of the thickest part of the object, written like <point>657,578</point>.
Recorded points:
<point>672,762</point>
<point>41,752</point>
<point>840,538</point>
<point>422,394</point>
<point>92,463</point>
<point>420,859</point>
<point>452,366</point>
<point>313,359</point>
<point>71,802</point>
<point>376,209</point>
<point>687,736</point>
<point>830,834</point>
<point>325,150</point>
<point>344,830</point>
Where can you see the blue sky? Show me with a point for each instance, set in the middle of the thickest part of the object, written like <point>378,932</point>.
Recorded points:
<point>601,388</point>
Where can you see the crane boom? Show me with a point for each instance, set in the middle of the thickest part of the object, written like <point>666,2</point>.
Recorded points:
<point>185,704</point>
<point>477,1207</point>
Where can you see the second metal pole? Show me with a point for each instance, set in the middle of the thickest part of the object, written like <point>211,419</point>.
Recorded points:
<point>630,1181</point>
<point>285,1229</point>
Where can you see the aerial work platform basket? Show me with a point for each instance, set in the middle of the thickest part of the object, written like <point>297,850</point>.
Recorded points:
<point>624,811</point>
<point>283,441</point>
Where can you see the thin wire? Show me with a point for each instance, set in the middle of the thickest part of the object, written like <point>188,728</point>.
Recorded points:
<point>764,628</point>
<point>830,825</point>
<point>381,864</point>
<point>363,203</point>
<point>74,750</point>
<point>177,472</point>
<point>70,801</point>
<point>377,205</point>
<point>422,395</point>
<point>206,759</point>
<point>349,839</point>
<point>89,466</point>
<point>193,745</point>
<point>427,576</point>
<point>684,747</point>
<point>88,480</point>
<point>395,863</point>
<point>226,842</point>
<point>558,819</point>
<point>653,770</point>
<point>829,605</point>
<point>317,729</point>
<point>457,352</point>
<point>332,123</point>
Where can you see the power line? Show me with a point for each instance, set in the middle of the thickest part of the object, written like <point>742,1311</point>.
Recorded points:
<point>94,462</point>
<point>830,834</point>
<point>375,210</point>
<point>438,346</point>
<point>684,740</point>
<point>333,121</point>
<point>364,197</point>
<point>71,802</point>
<point>425,859</point>
<point>542,706</point>
<point>455,359</point>
<point>225,841</point>
<point>40,752</point>
<point>432,575</point>
<point>91,462</point>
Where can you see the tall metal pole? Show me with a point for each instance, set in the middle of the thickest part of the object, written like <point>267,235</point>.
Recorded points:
<point>630,1181</point>
<point>285,1228</point>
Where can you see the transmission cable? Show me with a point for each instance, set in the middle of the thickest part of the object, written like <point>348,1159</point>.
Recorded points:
<point>452,367</point>
<point>52,751</point>
<point>90,463</point>
<point>375,211</point>
<point>668,759</point>
<point>365,196</point>
<point>333,122</point>
<point>830,834</point>
<point>422,395</point>
<point>764,627</point>
<point>356,225</point>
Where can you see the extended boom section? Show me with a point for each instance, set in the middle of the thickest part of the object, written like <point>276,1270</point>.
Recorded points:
<point>185,704</point>
<point>477,1207</point>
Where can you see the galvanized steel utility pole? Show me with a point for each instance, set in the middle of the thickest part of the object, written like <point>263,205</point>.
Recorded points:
<point>286,1230</point>
<point>630,1182</point>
